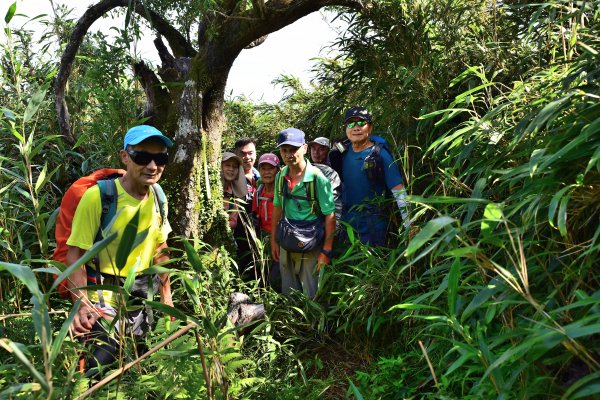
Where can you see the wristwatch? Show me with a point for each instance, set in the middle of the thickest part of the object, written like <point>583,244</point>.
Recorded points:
<point>328,253</point>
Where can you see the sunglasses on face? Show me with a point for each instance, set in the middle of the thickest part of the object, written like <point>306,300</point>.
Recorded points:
<point>144,158</point>
<point>352,124</point>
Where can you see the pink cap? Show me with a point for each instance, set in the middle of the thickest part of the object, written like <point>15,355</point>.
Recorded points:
<point>269,158</point>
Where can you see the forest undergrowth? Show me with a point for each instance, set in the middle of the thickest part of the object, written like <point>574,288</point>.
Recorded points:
<point>494,293</point>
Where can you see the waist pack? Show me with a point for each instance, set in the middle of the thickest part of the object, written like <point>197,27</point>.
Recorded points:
<point>300,236</point>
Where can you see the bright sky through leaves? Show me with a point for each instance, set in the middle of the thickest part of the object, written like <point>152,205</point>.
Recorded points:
<point>289,51</point>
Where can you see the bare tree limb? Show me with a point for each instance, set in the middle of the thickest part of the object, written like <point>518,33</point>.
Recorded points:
<point>166,58</point>
<point>137,360</point>
<point>152,88</point>
<point>178,43</point>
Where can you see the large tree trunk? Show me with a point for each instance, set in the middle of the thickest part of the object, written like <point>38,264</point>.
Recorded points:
<point>193,178</point>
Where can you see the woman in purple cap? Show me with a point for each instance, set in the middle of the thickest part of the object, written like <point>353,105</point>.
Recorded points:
<point>262,205</point>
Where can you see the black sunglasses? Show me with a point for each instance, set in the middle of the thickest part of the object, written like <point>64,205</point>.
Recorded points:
<point>360,123</point>
<point>144,158</point>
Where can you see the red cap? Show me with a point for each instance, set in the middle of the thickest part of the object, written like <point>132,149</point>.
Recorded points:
<point>269,158</point>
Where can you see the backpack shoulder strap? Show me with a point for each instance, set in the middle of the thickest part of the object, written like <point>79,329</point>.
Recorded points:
<point>312,197</point>
<point>260,194</point>
<point>108,199</point>
<point>311,192</point>
<point>281,186</point>
<point>160,201</point>
<point>256,198</point>
<point>376,149</point>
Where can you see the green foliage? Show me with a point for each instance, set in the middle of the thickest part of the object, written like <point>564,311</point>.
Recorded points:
<point>245,119</point>
<point>503,281</point>
<point>495,294</point>
<point>390,379</point>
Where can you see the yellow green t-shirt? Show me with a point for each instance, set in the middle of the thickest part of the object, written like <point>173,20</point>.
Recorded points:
<point>86,222</point>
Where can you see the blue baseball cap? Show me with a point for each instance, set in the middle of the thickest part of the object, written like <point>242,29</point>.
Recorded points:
<point>138,134</point>
<point>292,136</point>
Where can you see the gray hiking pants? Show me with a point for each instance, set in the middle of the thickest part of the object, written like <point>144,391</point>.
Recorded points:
<point>298,272</point>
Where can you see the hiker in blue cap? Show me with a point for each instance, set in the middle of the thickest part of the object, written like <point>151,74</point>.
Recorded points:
<point>303,220</point>
<point>369,174</point>
<point>132,196</point>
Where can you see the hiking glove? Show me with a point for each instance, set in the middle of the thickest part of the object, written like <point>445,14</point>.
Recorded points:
<point>400,196</point>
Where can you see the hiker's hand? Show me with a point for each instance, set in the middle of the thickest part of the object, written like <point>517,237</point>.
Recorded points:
<point>275,251</point>
<point>84,319</point>
<point>322,260</point>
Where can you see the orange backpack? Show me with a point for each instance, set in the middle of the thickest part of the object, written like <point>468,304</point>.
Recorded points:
<point>69,204</point>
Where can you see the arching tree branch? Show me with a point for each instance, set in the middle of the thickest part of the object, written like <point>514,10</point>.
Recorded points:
<point>243,29</point>
<point>178,43</point>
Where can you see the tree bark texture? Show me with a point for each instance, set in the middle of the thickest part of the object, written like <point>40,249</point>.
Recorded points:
<point>185,96</point>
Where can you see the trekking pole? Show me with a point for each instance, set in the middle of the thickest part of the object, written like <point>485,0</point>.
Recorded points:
<point>137,360</point>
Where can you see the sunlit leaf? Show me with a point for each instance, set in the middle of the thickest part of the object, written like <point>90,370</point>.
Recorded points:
<point>35,102</point>
<point>430,229</point>
<point>10,13</point>
<point>492,215</point>
<point>41,179</point>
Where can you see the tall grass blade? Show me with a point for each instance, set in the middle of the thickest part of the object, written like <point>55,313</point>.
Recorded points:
<point>355,391</point>
<point>192,256</point>
<point>427,233</point>
<point>86,258</point>
<point>58,340</point>
<point>453,278</point>
<point>584,388</point>
<point>127,241</point>
<point>168,310</point>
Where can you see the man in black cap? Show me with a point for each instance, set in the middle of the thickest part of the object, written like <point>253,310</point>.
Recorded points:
<point>368,171</point>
